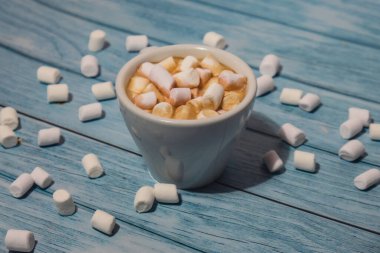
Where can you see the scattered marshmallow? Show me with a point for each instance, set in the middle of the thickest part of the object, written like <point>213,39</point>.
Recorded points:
<point>41,177</point>
<point>272,161</point>
<point>189,62</point>
<point>92,166</point>
<point>136,42</point>
<point>309,102</point>
<point>212,64</point>
<point>207,113</point>
<point>162,79</point>
<point>292,135</point>
<point>216,92</point>
<point>48,74</point>
<point>144,199</point>
<point>270,65</point>
<point>103,91</point>
<point>64,202</point>
<point>214,39</point>
<point>350,128</point>
<point>90,112</point>
<point>8,138</point>
<point>148,49</point>
<point>290,96</point>
<point>103,222</point>
<point>49,136</point>
<point>231,80</point>
<point>89,66</point>
<point>9,117</point>
<point>179,96</point>
<point>166,193</point>
<point>57,93</point>
<point>374,131</point>
<point>19,240</point>
<point>265,84</point>
<point>145,69</point>
<point>367,179</point>
<point>361,114</point>
<point>204,75</point>
<point>352,150</point>
<point>97,40</point>
<point>21,185</point>
<point>146,101</point>
<point>169,63</point>
<point>187,78</point>
<point>304,161</point>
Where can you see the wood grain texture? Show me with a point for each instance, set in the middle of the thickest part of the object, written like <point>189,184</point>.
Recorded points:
<point>204,220</point>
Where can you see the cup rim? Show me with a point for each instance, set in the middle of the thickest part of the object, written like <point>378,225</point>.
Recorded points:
<point>137,60</point>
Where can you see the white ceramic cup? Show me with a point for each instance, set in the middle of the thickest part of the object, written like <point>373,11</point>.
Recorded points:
<point>188,153</point>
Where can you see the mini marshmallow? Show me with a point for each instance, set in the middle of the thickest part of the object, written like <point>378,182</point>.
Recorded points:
<point>231,80</point>
<point>179,96</point>
<point>9,117</point>
<point>350,128</point>
<point>89,66</point>
<point>57,93</point>
<point>194,92</point>
<point>216,92</point>
<point>189,62</point>
<point>169,64</point>
<point>272,161</point>
<point>204,75</point>
<point>200,103</point>
<point>136,42</point>
<point>367,179</point>
<point>103,222</point>
<point>146,101</point>
<point>96,40</point>
<point>49,136</point>
<point>265,84</point>
<point>270,65</point>
<point>8,138</point>
<point>185,112</point>
<point>152,87</point>
<point>64,202</point>
<point>212,64</point>
<point>138,84</point>
<point>19,240</point>
<point>304,161</point>
<point>103,91</point>
<point>145,69</point>
<point>309,102</point>
<point>41,177</point>
<point>352,150</point>
<point>163,109</point>
<point>162,79</point>
<point>231,99</point>
<point>144,199</point>
<point>214,39</point>
<point>207,113</point>
<point>90,112</point>
<point>187,79</point>
<point>92,166</point>
<point>292,135</point>
<point>361,114</point>
<point>166,193</point>
<point>148,49</point>
<point>21,185</point>
<point>374,132</point>
<point>290,96</point>
<point>47,74</point>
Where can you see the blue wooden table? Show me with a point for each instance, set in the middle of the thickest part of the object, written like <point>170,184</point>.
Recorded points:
<point>331,48</point>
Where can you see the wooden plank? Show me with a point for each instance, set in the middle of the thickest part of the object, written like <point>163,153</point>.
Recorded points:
<point>215,218</point>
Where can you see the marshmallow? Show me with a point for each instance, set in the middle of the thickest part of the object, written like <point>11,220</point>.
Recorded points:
<point>374,131</point>
<point>152,87</point>
<point>92,166</point>
<point>200,103</point>
<point>367,179</point>
<point>292,135</point>
<point>214,39</point>
<point>304,161</point>
<point>189,62</point>
<point>185,112</point>
<point>145,69</point>
<point>136,42</point>
<point>204,75</point>
<point>216,93</point>
<point>166,193</point>
<point>47,74</point>
<point>231,80</point>
<point>270,65</point>
<point>212,64</point>
<point>89,66</point>
<point>187,79</point>
<point>103,222</point>
<point>309,102</point>
<point>90,112</point>
<point>290,96</point>
<point>163,109</point>
<point>352,150</point>
<point>137,84</point>
<point>179,96</point>
<point>148,49</point>
<point>265,84</point>
<point>169,64</point>
<point>162,79</point>
<point>231,99</point>
<point>64,202</point>
<point>103,91</point>
<point>194,92</point>
<point>41,177</point>
<point>361,114</point>
<point>272,161</point>
<point>350,128</point>
<point>49,136</point>
<point>146,101</point>
<point>21,185</point>
<point>57,93</point>
<point>9,117</point>
<point>96,40</point>
<point>207,113</point>
<point>144,199</point>
<point>19,240</point>
<point>8,138</point>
